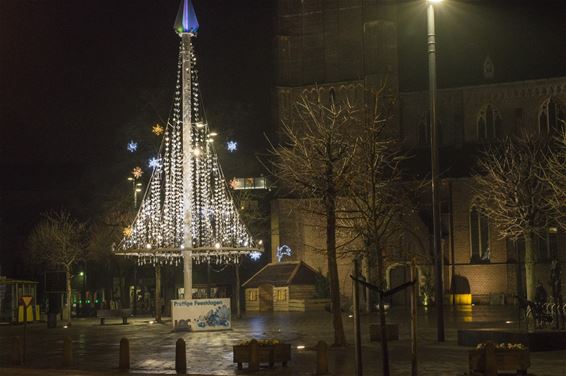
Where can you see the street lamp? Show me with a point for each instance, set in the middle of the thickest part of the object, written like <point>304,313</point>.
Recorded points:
<point>431,51</point>
<point>136,188</point>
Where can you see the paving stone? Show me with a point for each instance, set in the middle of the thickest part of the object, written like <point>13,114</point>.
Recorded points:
<point>152,346</point>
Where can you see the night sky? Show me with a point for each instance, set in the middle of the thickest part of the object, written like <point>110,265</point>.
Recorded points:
<point>78,79</point>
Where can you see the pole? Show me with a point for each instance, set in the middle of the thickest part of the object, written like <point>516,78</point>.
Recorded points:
<point>187,164</point>
<point>208,289</point>
<point>157,292</point>
<point>237,292</point>
<point>431,42</point>
<point>452,248</point>
<point>414,370</point>
<point>357,331</point>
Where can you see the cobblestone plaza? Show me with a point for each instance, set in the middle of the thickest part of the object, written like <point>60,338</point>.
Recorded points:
<point>152,346</point>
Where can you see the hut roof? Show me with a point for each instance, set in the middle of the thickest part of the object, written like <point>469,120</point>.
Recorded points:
<point>283,274</point>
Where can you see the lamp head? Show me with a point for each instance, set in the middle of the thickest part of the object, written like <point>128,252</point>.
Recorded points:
<point>434,1</point>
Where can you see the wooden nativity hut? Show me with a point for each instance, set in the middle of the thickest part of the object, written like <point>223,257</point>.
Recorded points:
<point>284,286</point>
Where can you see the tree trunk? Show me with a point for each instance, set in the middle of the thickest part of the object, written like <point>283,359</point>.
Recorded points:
<point>158,293</point>
<point>371,302</point>
<point>67,308</point>
<point>530,278</point>
<point>339,337</point>
<point>384,345</point>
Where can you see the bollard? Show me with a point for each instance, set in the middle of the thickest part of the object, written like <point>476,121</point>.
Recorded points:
<point>321,358</point>
<point>253,365</point>
<point>490,359</point>
<point>124,362</point>
<point>67,351</point>
<point>17,356</point>
<point>180,356</point>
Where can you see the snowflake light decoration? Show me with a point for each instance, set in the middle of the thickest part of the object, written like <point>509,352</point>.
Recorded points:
<point>154,162</point>
<point>232,146</point>
<point>137,172</point>
<point>132,146</point>
<point>157,129</point>
<point>283,250</point>
<point>255,255</point>
<point>127,232</point>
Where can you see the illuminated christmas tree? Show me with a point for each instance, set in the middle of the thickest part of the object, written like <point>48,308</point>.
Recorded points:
<point>187,211</point>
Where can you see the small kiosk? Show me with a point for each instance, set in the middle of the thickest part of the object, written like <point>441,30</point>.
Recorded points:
<point>11,292</point>
<point>284,286</point>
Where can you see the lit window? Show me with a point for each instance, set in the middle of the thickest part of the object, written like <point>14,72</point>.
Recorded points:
<point>479,236</point>
<point>281,295</point>
<point>551,117</point>
<point>252,295</point>
<point>489,123</point>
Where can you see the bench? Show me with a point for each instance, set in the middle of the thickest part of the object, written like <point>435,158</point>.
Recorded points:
<point>103,314</point>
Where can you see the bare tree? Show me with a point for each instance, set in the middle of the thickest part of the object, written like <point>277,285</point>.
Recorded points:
<point>59,240</point>
<point>115,216</point>
<point>315,161</point>
<point>555,175</point>
<point>376,197</point>
<point>512,193</point>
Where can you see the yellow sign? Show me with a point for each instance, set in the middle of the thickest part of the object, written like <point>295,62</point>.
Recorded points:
<point>26,300</point>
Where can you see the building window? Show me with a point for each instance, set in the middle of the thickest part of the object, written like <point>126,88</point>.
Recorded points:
<point>479,236</point>
<point>551,117</point>
<point>546,249</point>
<point>489,123</point>
<point>252,295</point>
<point>248,183</point>
<point>281,295</point>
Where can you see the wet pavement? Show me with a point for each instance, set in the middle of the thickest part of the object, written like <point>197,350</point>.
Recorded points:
<point>152,346</point>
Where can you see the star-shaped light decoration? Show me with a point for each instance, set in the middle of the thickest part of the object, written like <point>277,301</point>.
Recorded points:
<point>137,172</point>
<point>132,146</point>
<point>157,129</point>
<point>154,162</point>
<point>127,232</point>
<point>232,146</point>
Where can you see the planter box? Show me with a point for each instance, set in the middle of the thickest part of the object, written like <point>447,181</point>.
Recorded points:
<point>271,354</point>
<point>505,360</point>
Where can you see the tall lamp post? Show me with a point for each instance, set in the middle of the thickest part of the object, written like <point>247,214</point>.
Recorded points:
<point>431,51</point>
<point>136,188</point>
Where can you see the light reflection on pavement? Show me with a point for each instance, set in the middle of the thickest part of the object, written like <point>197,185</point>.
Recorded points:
<point>152,347</point>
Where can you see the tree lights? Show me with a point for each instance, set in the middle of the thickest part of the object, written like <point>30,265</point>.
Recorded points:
<point>187,205</point>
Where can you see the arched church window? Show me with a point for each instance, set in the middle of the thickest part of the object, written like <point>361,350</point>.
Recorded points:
<point>479,236</point>
<point>551,116</point>
<point>489,123</point>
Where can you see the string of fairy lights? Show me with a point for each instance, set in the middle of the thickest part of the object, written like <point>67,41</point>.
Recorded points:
<point>217,231</point>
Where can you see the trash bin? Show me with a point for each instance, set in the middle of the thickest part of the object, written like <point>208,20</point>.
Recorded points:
<point>52,320</point>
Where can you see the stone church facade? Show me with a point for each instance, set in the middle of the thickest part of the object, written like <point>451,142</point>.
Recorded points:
<point>343,49</point>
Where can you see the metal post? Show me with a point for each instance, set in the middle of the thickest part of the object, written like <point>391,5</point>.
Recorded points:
<point>431,41</point>
<point>414,294</point>
<point>187,164</point>
<point>238,288</point>
<point>157,292</point>
<point>357,331</point>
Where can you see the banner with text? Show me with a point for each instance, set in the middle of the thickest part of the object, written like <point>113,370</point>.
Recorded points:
<point>201,314</point>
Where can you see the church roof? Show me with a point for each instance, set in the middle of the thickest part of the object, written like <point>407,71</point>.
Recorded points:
<point>283,274</point>
<point>186,20</point>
